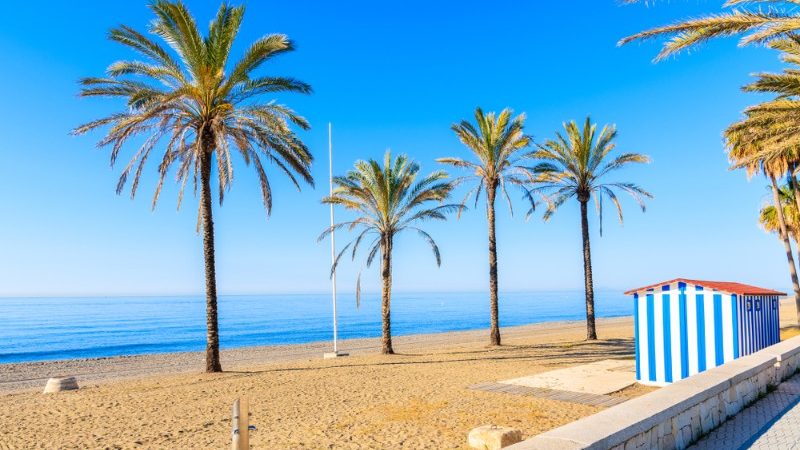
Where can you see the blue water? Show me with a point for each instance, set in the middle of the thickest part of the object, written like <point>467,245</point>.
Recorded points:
<point>34,329</point>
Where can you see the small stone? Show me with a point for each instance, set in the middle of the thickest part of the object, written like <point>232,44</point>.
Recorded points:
<point>491,437</point>
<point>60,384</point>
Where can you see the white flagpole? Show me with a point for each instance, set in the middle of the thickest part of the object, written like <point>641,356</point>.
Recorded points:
<point>333,252</point>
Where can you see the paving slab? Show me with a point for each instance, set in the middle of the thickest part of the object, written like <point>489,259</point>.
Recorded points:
<point>551,394</point>
<point>599,378</point>
<point>770,423</point>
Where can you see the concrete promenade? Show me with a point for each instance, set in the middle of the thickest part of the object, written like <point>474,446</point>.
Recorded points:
<point>772,422</point>
<point>757,393</point>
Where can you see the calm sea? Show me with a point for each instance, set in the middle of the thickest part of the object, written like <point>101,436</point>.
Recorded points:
<point>34,329</point>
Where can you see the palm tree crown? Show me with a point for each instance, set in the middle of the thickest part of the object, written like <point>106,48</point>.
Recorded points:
<point>758,24</point>
<point>768,216</point>
<point>198,103</point>
<point>388,199</point>
<point>576,165</point>
<point>202,108</point>
<point>770,132</point>
<point>497,141</point>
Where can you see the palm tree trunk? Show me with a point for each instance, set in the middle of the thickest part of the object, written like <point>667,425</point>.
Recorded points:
<point>212,326</point>
<point>591,331</point>
<point>386,297</point>
<point>494,333</point>
<point>785,235</point>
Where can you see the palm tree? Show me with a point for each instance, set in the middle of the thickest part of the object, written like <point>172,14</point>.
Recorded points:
<point>575,165</point>
<point>388,200</point>
<point>203,108</point>
<point>759,25</point>
<point>497,142</point>
<point>747,142</point>
<point>781,217</point>
<point>770,134</point>
<point>767,140</point>
<point>785,221</point>
<point>770,217</point>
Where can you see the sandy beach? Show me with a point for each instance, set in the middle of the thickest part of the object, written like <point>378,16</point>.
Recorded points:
<point>416,399</point>
<point>206,203</point>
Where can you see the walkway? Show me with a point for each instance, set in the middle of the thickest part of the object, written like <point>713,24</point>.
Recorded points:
<point>551,394</point>
<point>771,423</point>
<point>588,384</point>
<point>598,377</point>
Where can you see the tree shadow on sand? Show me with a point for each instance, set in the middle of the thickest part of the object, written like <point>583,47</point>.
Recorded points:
<point>545,354</point>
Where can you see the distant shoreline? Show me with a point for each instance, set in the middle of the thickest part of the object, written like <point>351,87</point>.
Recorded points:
<point>32,375</point>
<point>53,329</point>
<point>320,292</point>
<point>311,342</point>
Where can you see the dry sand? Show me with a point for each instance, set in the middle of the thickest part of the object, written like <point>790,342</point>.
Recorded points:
<point>414,400</point>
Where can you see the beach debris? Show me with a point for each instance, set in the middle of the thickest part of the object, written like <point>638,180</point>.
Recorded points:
<point>59,384</point>
<point>492,437</point>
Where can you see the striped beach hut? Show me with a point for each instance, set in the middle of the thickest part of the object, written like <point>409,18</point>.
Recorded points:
<point>683,327</point>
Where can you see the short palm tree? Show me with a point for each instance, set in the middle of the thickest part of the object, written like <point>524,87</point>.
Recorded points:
<point>575,165</point>
<point>188,96</point>
<point>770,217</point>
<point>388,199</point>
<point>747,17</point>
<point>498,144</point>
<point>785,222</point>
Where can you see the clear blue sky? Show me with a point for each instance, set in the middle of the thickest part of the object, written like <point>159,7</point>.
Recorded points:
<point>391,74</point>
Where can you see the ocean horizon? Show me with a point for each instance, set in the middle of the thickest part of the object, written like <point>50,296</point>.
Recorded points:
<point>54,328</point>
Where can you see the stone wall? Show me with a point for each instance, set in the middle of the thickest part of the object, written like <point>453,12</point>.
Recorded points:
<point>677,415</point>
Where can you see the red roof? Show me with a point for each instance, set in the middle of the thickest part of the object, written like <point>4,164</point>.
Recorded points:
<point>724,286</point>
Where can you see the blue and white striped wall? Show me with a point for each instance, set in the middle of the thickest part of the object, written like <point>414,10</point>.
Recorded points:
<point>682,330</point>
<point>759,323</point>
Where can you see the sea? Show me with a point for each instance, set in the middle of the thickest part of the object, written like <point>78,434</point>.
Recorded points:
<point>38,329</point>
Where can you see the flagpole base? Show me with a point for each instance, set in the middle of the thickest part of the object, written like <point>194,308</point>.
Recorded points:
<point>332,355</point>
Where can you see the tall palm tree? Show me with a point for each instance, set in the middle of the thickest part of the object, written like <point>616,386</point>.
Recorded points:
<point>772,126</point>
<point>187,95</point>
<point>388,200</point>
<point>498,144</point>
<point>767,140</point>
<point>758,145</point>
<point>575,165</point>
<point>745,17</point>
